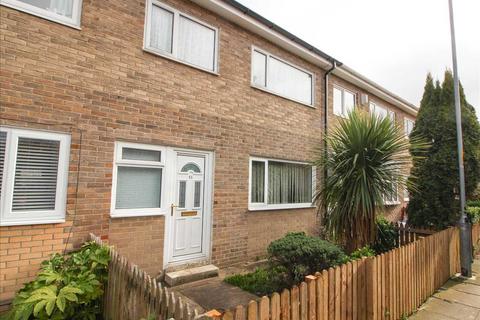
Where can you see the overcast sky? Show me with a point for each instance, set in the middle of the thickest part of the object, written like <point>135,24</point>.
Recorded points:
<point>392,42</point>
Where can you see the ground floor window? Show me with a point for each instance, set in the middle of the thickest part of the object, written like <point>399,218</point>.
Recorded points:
<point>33,176</point>
<point>278,184</point>
<point>137,179</point>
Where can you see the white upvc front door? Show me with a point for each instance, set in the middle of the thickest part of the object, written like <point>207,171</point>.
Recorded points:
<point>187,232</point>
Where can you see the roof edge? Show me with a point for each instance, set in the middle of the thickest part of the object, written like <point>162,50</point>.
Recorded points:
<point>254,22</point>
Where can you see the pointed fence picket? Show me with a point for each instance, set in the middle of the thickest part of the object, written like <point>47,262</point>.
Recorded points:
<point>132,294</point>
<point>388,286</point>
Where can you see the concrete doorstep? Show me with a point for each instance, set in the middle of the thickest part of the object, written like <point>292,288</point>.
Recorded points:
<point>176,278</point>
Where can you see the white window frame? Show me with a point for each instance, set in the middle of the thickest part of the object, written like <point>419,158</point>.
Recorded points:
<point>73,22</point>
<point>406,120</point>
<point>119,162</point>
<point>266,89</point>
<point>390,113</point>
<point>265,206</point>
<point>393,202</point>
<point>173,56</point>
<point>28,217</point>
<point>343,90</point>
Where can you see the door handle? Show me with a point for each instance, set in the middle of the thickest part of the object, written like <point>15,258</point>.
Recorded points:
<point>172,206</point>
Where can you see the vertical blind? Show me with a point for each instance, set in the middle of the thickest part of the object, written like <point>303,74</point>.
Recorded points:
<point>281,77</point>
<point>36,173</point>
<point>185,39</point>
<point>60,7</point>
<point>258,182</point>
<point>288,183</point>
<point>161,33</point>
<point>196,43</point>
<point>3,142</point>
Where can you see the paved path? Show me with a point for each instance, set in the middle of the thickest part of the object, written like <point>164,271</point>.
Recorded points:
<point>456,299</point>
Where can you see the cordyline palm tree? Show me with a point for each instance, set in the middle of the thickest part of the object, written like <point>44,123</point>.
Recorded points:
<point>367,158</point>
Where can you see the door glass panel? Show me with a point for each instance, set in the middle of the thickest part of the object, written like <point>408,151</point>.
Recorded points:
<point>190,166</point>
<point>181,194</point>
<point>196,201</point>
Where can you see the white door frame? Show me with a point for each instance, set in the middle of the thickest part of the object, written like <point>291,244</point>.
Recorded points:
<point>170,193</point>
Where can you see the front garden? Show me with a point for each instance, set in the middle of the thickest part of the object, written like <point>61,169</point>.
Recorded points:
<point>293,257</point>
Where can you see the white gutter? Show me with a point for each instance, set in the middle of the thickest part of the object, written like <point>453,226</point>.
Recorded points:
<point>247,22</point>
<point>357,79</point>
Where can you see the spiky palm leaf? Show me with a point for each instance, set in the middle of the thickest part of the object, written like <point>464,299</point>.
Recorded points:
<point>367,158</point>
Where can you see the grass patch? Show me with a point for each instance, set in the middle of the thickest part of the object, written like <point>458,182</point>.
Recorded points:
<point>261,282</point>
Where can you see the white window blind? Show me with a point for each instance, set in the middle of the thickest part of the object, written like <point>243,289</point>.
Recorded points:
<point>281,78</point>
<point>178,36</point>
<point>280,184</point>
<point>62,11</point>
<point>137,181</point>
<point>34,174</point>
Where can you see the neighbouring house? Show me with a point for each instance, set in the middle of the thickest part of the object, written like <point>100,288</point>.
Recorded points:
<point>179,131</point>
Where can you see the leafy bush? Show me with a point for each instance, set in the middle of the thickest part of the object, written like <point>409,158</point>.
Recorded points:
<point>473,203</point>
<point>66,288</point>
<point>362,252</point>
<point>473,214</point>
<point>301,255</point>
<point>263,281</point>
<point>387,235</point>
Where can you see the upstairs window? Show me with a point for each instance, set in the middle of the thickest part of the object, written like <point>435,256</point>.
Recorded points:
<point>33,176</point>
<point>180,37</point>
<point>392,198</point>
<point>279,77</point>
<point>276,184</point>
<point>409,124</point>
<point>382,112</point>
<point>66,12</point>
<point>343,101</point>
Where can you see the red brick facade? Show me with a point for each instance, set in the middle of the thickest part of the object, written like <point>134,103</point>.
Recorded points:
<point>99,85</point>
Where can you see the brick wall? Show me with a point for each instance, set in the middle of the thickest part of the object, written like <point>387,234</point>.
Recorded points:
<point>23,248</point>
<point>98,84</point>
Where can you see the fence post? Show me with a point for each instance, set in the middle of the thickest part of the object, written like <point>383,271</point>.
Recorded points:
<point>372,298</point>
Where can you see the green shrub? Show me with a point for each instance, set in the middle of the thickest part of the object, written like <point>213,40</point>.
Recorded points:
<point>473,214</point>
<point>301,255</point>
<point>68,287</point>
<point>387,235</point>
<point>473,203</point>
<point>263,281</point>
<point>362,252</point>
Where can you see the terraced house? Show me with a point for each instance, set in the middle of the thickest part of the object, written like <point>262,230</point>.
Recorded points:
<point>180,131</point>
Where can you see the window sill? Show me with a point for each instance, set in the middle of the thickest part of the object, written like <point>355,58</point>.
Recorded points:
<point>44,15</point>
<point>135,215</point>
<point>169,57</point>
<point>281,207</point>
<point>281,95</point>
<point>392,203</point>
<point>6,223</point>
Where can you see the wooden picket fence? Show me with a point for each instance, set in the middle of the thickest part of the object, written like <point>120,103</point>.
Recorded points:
<point>131,294</point>
<point>387,286</point>
<point>476,237</point>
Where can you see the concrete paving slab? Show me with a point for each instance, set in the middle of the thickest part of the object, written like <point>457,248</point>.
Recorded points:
<point>215,294</point>
<point>457,299</point>
<point>449,309</point>
<point>464,298</point>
